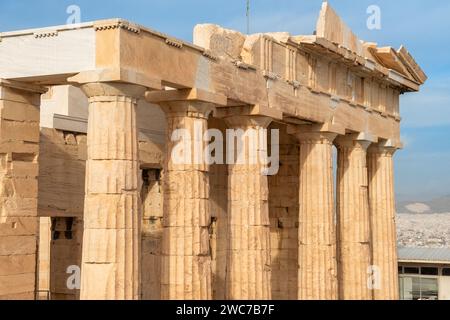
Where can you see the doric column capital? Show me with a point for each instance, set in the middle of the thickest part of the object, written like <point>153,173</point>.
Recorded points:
<point>316,137</point>
<point>316,133</point>
<point>194,102</point>
<point>248,121</point>
<point>356,140</point>
<point>383,148</point>
<point>94,90</point>
<point>187,108</point>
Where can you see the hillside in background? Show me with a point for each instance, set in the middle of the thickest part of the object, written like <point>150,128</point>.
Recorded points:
<point>438,205</point>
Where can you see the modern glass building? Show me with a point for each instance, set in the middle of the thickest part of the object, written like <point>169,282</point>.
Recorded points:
<point>424,273</point>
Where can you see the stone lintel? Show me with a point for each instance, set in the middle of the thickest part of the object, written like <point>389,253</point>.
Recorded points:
<point>119,75</point>
<point>331,128</point>
<point>194,94</point>
<point>249,110</point>
<point>267,111</point>
<point>365,136</point>
<point>363,139</point>
<point>23,86</point>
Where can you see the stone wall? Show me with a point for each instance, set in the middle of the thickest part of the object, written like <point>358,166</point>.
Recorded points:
<point>19,151</point>
<point>61,173</point>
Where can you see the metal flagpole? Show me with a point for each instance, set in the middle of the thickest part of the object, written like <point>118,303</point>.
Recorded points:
<point>248,16</point>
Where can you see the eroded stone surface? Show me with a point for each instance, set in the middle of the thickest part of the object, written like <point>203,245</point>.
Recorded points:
<point>225,231</point>
<point>19,169</point>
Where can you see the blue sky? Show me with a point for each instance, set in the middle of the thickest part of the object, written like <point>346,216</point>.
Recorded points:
<point>422,168</point>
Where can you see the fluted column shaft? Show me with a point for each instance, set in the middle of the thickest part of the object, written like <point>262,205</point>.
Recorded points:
<point>111,239</point>
<point>382,218</point>
<point>317,273</point>
<point>248,261</point>
<point>354,258</point>
<point>186,257</point>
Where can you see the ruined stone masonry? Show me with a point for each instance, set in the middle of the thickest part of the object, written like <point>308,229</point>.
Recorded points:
<point>92,205</point>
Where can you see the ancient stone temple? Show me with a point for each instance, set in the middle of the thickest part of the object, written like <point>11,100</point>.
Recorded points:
<point>93,206</point>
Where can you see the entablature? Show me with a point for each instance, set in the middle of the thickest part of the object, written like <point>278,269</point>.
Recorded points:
<point>294,79</point>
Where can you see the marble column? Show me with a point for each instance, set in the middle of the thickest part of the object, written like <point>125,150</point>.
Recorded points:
<point>186,256</point>
<point>353,224</point>
<point>112,209</point>
<point>317,273</point>
<point>248,261</point>
<point>382,219</point>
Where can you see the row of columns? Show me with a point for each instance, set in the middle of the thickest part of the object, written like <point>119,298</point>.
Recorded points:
<point>355,257</point>
<point>336,249</point>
